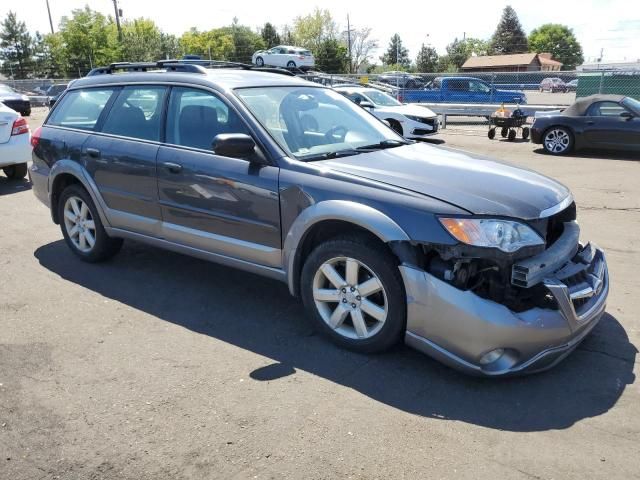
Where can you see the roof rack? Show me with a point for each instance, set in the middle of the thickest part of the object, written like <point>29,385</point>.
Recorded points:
<point>169,65</point>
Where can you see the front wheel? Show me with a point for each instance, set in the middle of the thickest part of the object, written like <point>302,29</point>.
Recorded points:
<point>16,172</point>
<point>82,228</point>
<point>260,62</point>
<point>353,292</point>
<point>558,141</point>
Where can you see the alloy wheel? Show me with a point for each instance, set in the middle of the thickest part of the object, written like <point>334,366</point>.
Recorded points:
<point>350,298</point>
<point>557,140</point>
<point>79,224</point>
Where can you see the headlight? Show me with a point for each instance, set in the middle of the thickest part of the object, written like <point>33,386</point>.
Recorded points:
<point>416,119</point>
<point>505,235</point>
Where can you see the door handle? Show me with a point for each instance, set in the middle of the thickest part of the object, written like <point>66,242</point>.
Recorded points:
<point>172,167</point>
<point>93,152</point>
<point>591,123</point>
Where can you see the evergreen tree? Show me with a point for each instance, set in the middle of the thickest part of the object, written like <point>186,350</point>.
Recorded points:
<point>396,54</point>
<point>427,59</point>
<point>270,35</point>
<point>15,47</point>
<point>509,36</point>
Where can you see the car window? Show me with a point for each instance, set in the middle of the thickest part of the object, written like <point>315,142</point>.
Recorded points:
<point>195,117</point>
<point>136,113</point>
<point>459,85</point>
<point>605,109</point>
<point>80,108</point>
<point>382,99</point>
<point>356,97</point>
<point>477,86</point>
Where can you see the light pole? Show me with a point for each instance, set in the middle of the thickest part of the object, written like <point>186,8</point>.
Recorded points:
<point>50,20</point>
<point>118,15</point>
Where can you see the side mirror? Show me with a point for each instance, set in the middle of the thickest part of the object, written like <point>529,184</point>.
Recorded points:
<point>367,105</point>
<point>234,145</point>
<point>627,115</point>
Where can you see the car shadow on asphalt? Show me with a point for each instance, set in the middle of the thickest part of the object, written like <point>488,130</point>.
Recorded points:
<point>258,314</point>
<point>9,187</point>
<point>597,154</point>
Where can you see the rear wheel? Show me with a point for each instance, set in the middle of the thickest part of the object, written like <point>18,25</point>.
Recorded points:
<point>504,131</point>
<point>82,228</point>
<point>558,141</point>
<point>16,172</point>
<point>260,62</point>
<point>512,135</point>
<point>291,64</point>
<point>353,291</point>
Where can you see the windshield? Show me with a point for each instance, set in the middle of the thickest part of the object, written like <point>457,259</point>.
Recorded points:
<point>382,99</point>
<point>312,123</point>
<point>632,103</point>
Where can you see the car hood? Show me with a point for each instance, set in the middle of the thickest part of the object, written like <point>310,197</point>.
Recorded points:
<point>12,96</point>
<point>473,183</point>
<point>414,110</point>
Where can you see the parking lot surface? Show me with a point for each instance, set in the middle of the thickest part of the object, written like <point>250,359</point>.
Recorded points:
<point>160,366</point>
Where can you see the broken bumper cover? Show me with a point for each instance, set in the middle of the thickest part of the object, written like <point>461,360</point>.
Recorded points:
<point>482,337</point>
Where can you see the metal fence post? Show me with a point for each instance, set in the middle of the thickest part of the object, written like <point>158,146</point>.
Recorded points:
<point>601,82</point>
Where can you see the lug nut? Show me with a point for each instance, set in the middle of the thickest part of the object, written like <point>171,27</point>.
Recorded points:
<point>344,300</point>
<point>358,298</point>
<point>353,289</point>
<point>344,290</point>
<point>353,305</point>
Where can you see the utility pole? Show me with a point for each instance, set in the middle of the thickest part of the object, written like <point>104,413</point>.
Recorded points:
<point>349,44</point>
<point>50,20</point>
<point>118,14</point>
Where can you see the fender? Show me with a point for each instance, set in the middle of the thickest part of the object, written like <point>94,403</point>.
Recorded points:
<point>79,172</point>
<point>357,213</point>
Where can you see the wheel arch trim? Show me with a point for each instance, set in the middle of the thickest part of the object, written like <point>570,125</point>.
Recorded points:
<point>358,214</point>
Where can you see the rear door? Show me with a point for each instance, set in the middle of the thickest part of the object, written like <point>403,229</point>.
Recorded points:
<point>457,90</point>
<point>121,158</point>
<point>222,205</point>
<point>605,127</point>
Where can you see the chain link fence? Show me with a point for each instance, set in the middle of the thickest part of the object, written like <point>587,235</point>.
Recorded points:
<point>464,101</point>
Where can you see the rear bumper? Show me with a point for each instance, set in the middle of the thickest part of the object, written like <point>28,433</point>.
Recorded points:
<point>536,135</point>
<point>459,328</point>
<point>17,150</point>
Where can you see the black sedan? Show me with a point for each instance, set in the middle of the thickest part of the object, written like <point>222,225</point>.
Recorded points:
<point>15,100</point>
<point>598,121</point>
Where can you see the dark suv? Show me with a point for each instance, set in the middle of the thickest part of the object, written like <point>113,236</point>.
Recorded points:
<point>471,261</point>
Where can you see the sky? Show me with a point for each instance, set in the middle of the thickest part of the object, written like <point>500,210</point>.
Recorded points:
<point>612,26</point>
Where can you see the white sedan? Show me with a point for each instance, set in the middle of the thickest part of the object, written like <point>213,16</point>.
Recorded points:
<point>15,145</point>
<point>284,56</point>
<point>410,121</point>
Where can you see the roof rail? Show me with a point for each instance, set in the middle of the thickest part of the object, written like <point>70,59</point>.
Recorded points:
<point>169,65</point>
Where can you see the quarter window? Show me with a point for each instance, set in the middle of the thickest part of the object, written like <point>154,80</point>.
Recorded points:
<point>195,117</point>
<point>81,108</point>
<point>136,113</point>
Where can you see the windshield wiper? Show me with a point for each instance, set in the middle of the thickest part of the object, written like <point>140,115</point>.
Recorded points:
<point>329,155</point>
<point>383,144</point>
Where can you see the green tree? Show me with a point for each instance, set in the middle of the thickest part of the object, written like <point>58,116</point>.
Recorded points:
<point>215,44</point>
<point>169,46</point>
<point>245,41</point>
<point>312,30</point>
<point>141,41</point>
<point>509,36</point>
<point>90,39</point>
<point>15,47</point>
<point>427,59</point>
<point>362,46</point>
<point>558,40</point>
<point>459,51</point>
<point>332,56</point>
<point>396,54</point>
<point>270,35</point>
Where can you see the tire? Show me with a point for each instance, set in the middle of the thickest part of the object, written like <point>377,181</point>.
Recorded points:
<point>104,246</point>
<point>526,131</point>
<point>380,315</point>
<point>491,133</point>
<point>504,131</point>
<point>260,62</point>
<point>512,135</point>
<point>558,140</point>
<point>16,172</point>
<point>291,64</point>
<point>395,125</point>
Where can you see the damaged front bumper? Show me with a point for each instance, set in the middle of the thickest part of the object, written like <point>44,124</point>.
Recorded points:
<point>482,337</point>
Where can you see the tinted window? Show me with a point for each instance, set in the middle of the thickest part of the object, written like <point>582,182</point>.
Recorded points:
<point>80,108</point>
<point>459,85</point>
<point>477,86</point>
<point>605,109</point>
<point>136,113</point>
<point>196,116</point>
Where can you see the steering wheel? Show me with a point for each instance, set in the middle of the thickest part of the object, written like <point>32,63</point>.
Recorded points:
<point>337,132</point>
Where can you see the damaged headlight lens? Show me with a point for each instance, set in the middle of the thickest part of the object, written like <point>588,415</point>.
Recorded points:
<point>505,235</point>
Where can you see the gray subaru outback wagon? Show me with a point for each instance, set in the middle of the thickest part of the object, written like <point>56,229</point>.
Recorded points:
<point>473,262</point>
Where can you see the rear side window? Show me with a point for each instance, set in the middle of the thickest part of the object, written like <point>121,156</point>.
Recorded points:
<point>80,108</point>
<point>196,116</point>
<point>605,109</point>
<point>136,113</point>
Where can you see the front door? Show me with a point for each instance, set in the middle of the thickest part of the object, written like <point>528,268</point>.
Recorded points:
<point>606,127</point>
<point>222,205</point>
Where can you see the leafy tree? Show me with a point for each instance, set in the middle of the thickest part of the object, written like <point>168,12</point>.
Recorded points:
<point>558,40</point>
<point>362,47</point>
<point>215,43</point>
<point>311,31</point>
<point>15,47</point>
<point>90,39</point>
<point>396,54</point>
<point>245,41</point>
<point>427,59</point>
<point>332,56</point>
<point>444,65</point>
<point>270,35</point>
<point>459,51</point>
<point>169,46</point>
<point>141,41</point>
<point>509,36</point>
